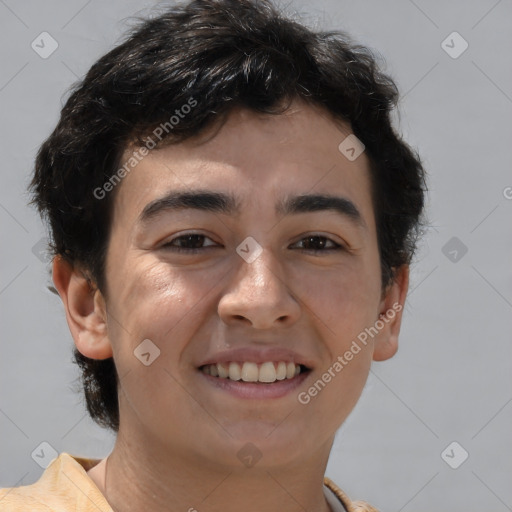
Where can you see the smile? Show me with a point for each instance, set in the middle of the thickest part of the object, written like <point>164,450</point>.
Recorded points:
<point>267,372</point>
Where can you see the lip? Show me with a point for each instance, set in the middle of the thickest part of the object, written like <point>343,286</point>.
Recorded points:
<point>256,390</point>
<point>258,355</point>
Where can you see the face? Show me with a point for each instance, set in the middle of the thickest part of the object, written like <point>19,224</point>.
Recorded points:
<point>247,275</point>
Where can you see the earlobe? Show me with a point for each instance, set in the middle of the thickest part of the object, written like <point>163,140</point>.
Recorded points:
<point>391,310</point>
<point>85,310</point>
<point>93,345</point>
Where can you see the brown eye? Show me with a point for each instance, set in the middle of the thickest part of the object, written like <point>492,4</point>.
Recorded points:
<point>318,243</point>
<point>191,243</point>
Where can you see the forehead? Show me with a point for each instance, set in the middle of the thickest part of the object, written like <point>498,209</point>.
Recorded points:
<point>256,158</point>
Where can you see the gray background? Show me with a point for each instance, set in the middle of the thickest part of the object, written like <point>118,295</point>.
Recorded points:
<point>451,379</point>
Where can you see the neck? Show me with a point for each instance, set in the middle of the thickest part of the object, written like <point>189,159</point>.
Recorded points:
<point>134,479</point>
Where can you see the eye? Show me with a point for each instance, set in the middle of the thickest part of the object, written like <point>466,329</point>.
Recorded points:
<point>190,243</point>
<point>318,243</point>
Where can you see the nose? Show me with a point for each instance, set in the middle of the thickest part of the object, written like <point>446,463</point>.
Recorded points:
<point>259,295</point>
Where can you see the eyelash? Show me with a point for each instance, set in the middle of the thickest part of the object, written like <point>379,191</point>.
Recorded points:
<point>174,248</point>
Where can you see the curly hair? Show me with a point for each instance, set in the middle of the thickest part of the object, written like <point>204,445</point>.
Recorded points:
<point>222,53</point>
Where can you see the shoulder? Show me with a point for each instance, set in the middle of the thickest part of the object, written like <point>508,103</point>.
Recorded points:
<point>64,486</point>
<point>19,499</point>
<point>350,506</point>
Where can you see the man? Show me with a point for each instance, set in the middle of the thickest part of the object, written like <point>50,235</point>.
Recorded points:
<point>232,218</point>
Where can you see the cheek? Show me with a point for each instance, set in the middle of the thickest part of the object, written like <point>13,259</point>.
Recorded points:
<point>149,291</point>
<point>328,400</point>
<point>343,299</point>
<point>153,314</point>
<point>342,302</point>
<point>156,301</point>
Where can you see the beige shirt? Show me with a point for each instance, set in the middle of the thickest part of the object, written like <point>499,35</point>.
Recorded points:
<point>65,486</point>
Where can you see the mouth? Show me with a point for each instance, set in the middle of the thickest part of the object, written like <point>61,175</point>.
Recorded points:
<point>255,381</point>
<point>264,373</point>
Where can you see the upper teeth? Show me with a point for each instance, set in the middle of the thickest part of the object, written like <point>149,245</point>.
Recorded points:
<point>251,372</point>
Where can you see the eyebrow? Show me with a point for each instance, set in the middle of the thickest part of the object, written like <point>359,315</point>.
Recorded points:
<point>220,202</point>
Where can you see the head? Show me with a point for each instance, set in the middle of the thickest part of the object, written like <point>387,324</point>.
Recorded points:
<point>227,97</point>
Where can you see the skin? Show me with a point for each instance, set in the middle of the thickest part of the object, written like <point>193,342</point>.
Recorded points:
<point>179,437</point>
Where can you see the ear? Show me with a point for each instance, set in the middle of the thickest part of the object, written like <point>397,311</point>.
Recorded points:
<point>390,314</point>
<point>85,310</point>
